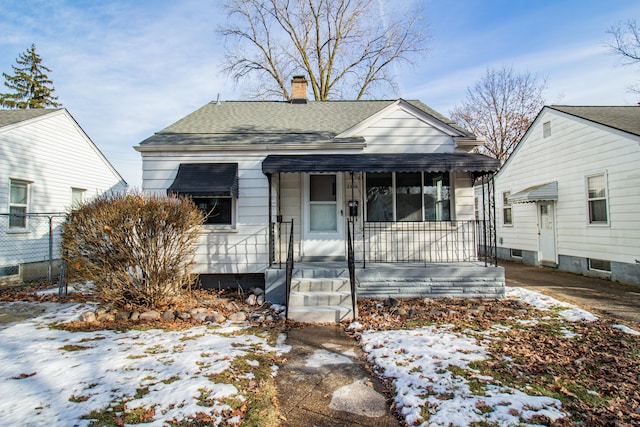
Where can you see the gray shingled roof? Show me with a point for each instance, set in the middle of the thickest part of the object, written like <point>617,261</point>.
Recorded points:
<point>9,117</point>
<point>626,119</point>
<point>275,122</point>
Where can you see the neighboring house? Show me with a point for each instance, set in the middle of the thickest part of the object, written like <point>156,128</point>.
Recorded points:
<point>569,195</point>
<point>396,175</point>
<point>47,163</point>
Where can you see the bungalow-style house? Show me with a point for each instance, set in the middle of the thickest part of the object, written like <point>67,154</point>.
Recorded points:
<point>569,195</point>
<point>47,163</point>
<point>333,190</point>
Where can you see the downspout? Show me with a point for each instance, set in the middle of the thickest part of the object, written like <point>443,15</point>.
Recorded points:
<point>271,237</point>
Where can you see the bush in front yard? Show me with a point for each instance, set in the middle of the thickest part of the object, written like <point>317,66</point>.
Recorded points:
<point>136,249</point>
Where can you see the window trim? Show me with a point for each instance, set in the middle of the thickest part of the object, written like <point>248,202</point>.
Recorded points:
<point>394,194</point>
<point>605,177</point>
<point>27,184</point>
<point>506,205</point>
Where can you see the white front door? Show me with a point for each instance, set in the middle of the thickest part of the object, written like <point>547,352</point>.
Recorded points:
<point>547,233</point>
<point>323,223</point>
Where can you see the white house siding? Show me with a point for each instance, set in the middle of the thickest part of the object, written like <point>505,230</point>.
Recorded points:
<point>54,155</point>
<point>403,132</point>
<point>576,149</point>
<point>243,249</point>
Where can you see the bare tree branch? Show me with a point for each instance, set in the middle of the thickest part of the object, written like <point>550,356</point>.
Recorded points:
<point>500,107</point>
<point>345,47</point>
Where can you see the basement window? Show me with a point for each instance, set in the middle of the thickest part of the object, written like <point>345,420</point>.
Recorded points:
<point>600,265</point>
<point>516,253</point>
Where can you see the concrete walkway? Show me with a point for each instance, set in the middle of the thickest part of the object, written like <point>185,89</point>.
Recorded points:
<point>613,299</point>
<point>324,383</point>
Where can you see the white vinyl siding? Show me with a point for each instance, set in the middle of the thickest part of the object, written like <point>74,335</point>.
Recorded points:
<point>53,154</point>
<point>578,149</point>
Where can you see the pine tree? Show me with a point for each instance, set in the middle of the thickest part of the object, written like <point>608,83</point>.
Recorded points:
<point>30,86</point>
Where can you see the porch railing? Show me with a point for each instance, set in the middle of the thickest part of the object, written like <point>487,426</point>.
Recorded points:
<point>289,268</point>
<point>423,242</point>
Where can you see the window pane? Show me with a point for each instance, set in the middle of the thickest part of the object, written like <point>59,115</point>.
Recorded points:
<point>17,221</point>
<point>598,211</point>
<point>437,199</point>
<point>323,217</point>
<point>596,186</point>
<point>217,209</point>
<point>507,216</point>
<point>322,188</point>
<point>18,192</point>
<point>408,196</point>
<point>379,197</point>
<point>77,196</point>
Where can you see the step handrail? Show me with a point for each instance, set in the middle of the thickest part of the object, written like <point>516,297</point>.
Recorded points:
<point>289,269</point>
<point>351,263</point>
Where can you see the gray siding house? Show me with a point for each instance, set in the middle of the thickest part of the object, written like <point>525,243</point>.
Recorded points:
<point>324,186</point>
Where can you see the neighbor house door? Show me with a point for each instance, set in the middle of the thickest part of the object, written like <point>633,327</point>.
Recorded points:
<point>323,217</point>
<point>547,233</point>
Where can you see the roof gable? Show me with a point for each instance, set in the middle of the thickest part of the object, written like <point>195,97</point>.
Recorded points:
<point>11,117</point>
<point>624,118</point>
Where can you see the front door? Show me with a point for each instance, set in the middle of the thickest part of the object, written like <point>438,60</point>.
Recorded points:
<point>323,225</point>
<point>547,233</point>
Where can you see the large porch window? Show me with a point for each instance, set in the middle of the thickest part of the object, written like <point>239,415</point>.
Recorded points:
<point>408,196</point>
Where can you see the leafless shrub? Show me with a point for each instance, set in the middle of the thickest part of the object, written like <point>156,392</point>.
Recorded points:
<point>136,249</point>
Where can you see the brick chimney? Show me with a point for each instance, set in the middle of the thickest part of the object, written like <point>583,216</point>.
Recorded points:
<point>299,90</point>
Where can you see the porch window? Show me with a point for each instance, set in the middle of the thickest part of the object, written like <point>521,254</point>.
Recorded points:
<point>18,203</point>
<point>507,218</point>
<point>408,196</point>
<point>597,199</point>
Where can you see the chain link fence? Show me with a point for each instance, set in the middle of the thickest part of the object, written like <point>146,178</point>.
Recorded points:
<point>30,247</point>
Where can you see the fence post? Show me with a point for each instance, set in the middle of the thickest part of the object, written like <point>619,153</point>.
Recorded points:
<point>50,272</point>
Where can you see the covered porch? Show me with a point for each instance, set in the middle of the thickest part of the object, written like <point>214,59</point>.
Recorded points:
<point>389,224</point>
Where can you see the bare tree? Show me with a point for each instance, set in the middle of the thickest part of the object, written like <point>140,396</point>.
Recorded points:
<point>346,48</point>
<point>626,43</point>
<point>500,107</point>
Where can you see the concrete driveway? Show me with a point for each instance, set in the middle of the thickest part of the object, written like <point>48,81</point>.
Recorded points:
<point>613,299</point>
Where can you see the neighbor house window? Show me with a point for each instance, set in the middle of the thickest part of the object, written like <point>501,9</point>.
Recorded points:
<point>18,203</point>
<point>597,199</point>
<point>408,196</point>
<point>600,265</point>
<point>546,129</point>
<point>77,197</point>
<point>506,209</point>
<point>217,210</point>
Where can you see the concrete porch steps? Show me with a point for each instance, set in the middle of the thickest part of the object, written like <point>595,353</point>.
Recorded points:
<point>320,299</point>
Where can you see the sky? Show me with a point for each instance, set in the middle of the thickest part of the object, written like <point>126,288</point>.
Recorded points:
<point>126,69</point>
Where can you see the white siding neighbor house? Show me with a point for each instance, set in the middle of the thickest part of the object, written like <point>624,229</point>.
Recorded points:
<point>569,195</point>
<point>47,163</point>
<point>291,183</point>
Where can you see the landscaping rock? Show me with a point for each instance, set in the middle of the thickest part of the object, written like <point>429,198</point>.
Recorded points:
<point>88,316</point>
<point>135,316</point>
<point>260,300</point>
<point>198,310</point>
<point>392,302</point>
<point>199,318</point>
<point>237,317</point>
<point>216,317</point>
<point>251,300</point>
<point>106,317</point>
<point>150,315</point>
<point>184,316</point>
<point>168,315</point>
<point>123,315</point>
<point>257,291</point>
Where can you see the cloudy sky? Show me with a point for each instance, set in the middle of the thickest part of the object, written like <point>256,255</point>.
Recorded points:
<point>126,69</point>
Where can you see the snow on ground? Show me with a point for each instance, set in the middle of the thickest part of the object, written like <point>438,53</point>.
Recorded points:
<point>422,363</point>
<point>53,377</point>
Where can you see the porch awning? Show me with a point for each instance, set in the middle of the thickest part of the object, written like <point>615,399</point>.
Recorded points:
<point>537,193</point>
<point>206,180</point>
<point>404,162</point>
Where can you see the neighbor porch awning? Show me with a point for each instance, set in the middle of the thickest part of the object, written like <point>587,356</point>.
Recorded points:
<point>206,180</point>
<point>404,162</point>
<point>537,193</point>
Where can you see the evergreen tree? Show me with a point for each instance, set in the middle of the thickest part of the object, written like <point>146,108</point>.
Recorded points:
<point>30,86</point>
